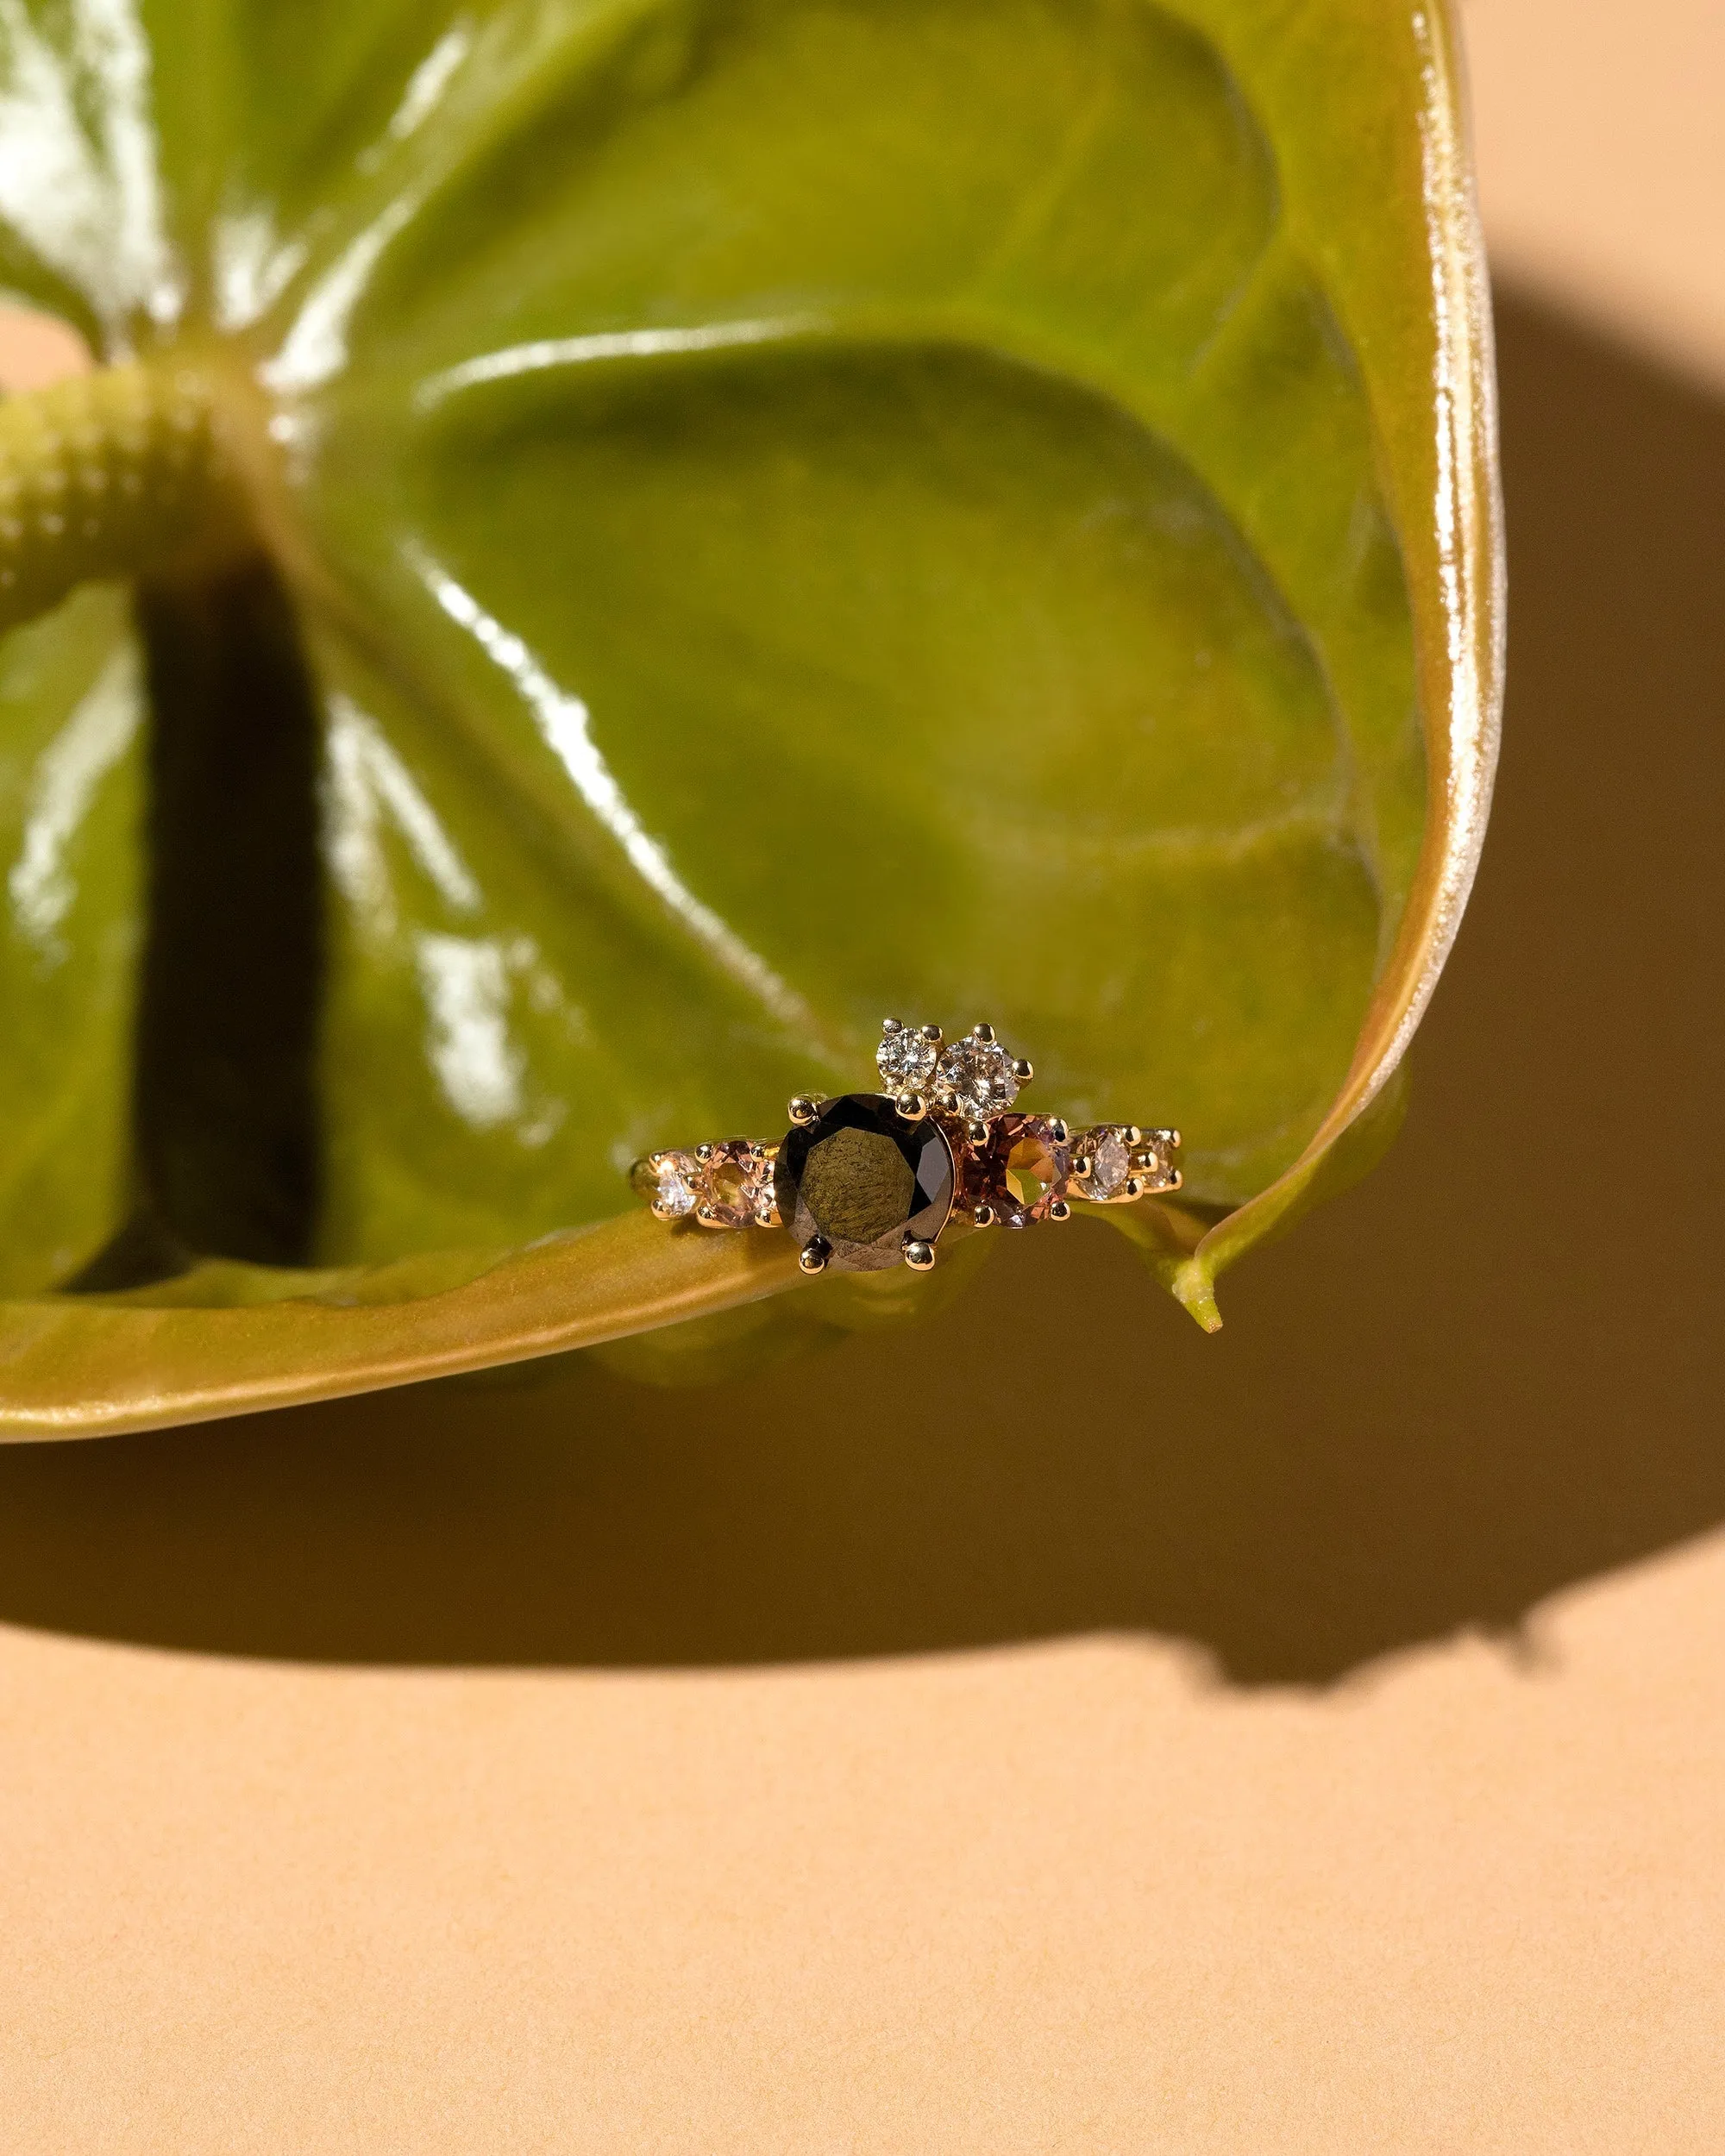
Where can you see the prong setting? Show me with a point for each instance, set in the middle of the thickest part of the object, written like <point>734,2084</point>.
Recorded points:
<point>948,1109</point>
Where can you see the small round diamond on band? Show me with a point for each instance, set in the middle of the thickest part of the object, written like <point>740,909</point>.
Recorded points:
<point>869,1180</point>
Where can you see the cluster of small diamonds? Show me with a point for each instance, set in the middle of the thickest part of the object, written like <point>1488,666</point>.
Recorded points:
<point>973,1077</point>
<point>1116,1162</point>
<point>724,1186</point>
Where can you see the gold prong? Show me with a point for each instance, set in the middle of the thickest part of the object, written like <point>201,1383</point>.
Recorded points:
<point>891,1025</point>
<point>977,1131</point>
<point>1084,1166</point>
<point>804,1108</point>
<point>1132,1186</point>
<point>919,1256</point>
<point>982,1215</point>
<point>1059,1210</point>
<point>1175,1180</point>
<point>1057,1130</point>
<point>982,1033</point>
<point>1171,1139</point>
<point>703,1152</point>
<point>661,1210</point>
<point>1023,1071</point>
<point>1132,1135</point>
<point>931,1034</point>
<point>704,1214</point>
<point>813,1255</point>
<point>912,1107</point>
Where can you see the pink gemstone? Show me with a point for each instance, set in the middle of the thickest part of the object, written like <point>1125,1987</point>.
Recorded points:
<point>1020,1171</point>
<point>733,1180</point>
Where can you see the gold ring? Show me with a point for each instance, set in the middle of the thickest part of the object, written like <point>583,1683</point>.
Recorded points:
<point>869,1180</point>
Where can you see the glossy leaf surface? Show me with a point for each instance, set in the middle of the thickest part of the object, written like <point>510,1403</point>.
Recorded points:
<point>798,508</point>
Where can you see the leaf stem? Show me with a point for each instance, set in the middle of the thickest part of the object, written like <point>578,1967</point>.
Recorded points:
<point>117,473</point>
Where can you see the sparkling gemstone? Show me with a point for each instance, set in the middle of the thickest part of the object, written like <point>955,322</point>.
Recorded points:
<point>1110,1162</point>
<point>906,1059</point>
<point>863,1177</point>
<point>733,1180</point>
<point>1019,1172</point>
<point>1155,1161</point>
<point>975,1078</point>
<point>673,1189</point>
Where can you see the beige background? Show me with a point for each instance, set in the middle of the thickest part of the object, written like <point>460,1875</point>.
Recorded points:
<point>1308,1739</point>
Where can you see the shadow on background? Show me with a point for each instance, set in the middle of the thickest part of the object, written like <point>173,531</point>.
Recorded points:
<point>1493,1369</point>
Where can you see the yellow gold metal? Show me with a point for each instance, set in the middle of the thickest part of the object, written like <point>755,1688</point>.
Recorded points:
<point>703,1183</point>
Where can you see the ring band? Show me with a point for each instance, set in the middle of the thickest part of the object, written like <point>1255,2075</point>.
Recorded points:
<point>869,1180</point>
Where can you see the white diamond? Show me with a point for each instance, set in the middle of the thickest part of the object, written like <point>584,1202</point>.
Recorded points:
<point>1110,1162</point>
<point>906,1059</point>
<point>976,1079</point>
<point>676,1193</point>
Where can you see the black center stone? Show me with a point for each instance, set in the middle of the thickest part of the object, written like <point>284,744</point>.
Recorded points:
<point>862,1178</point>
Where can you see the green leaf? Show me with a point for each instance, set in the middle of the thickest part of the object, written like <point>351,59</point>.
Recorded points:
<point>795,509</point>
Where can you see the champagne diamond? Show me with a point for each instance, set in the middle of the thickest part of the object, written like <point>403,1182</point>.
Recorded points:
<point>975,1078</point>
<point>1110,1161</point>
<point>906,1058</point>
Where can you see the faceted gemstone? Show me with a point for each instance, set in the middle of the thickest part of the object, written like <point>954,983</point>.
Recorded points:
<point>1110,1162</point>
<point>671,1182</point>
<point>975,1078</point>
<point>733,1180</point>
<point>906,1059</point>
<point>862,1178</point>
<point>1155,1160</point>
<point>1019,1172</point>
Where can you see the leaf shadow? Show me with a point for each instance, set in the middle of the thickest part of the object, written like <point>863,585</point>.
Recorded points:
<point>1492,1370</point>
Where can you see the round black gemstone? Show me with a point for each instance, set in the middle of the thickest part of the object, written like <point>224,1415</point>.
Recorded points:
<point>863,1177</point>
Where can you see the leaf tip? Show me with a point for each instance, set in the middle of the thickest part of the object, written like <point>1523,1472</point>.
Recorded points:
<point>1195,1289</point>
